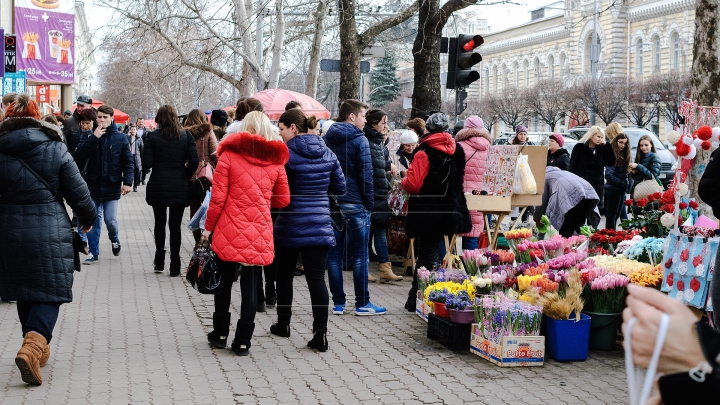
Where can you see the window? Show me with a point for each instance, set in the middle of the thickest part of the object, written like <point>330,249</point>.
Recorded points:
<point>517,74</point>
<point>656,54</point>
<point>495,78</point>
<point>504,77</point>
<point>562,63</point>
<point>551,67</point>
<point>538,73</point>
<point>675,49</point>
<point>526,71</point>
<point>639,57</point>
<point>487,81</point>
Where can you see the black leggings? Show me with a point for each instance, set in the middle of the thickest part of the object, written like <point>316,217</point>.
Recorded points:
<point>613,206</point>
<point>314,260</point>
<point>174,222</point>
<point>575,218</point>
<point>249,276</point>
<point>426,248</point>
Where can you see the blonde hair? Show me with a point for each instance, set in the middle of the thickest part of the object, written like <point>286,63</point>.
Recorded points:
<point>589,134</point>
<point>258,123</point>
<point>613,129</point>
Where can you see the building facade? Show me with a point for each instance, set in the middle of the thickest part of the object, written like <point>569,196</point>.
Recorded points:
<point>636,40</point>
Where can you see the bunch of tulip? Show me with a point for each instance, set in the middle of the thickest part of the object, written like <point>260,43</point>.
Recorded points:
<point>606,293</point>
<point>539,269</point>
<point>498,316</point>
<point>514,239</point>
<point>647,277</point>
<point>573,242</point>
<point>567,260</point>
<point>482,285</point>
<point>620,264</point>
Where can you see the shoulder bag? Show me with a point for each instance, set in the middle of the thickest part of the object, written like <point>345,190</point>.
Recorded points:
<point>206,169</point>
<point>78,244</point>
<point>647,187</point>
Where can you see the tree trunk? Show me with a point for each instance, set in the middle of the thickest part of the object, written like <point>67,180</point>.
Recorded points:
<point>275,67</point>
<point>426,56</point>
<point>311,83</point>
<point>705,81</point>
<point>248,81</point>
<point>350,52</point>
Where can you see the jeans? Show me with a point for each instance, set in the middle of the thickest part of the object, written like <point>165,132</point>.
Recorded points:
<point>379,236</point>
<point>38,317</point>
<point>108,210</point>
<point>248,298</point>
<point>174,222</point>
<point>613,206</point>
<point>314,259</point>
<point>355,234</point>
<point>426,248</point>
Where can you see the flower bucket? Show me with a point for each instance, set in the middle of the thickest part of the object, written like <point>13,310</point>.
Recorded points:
<point>464,316</point>
<point>603,330</point>
<point>567,339</point>
<point>440,310</point>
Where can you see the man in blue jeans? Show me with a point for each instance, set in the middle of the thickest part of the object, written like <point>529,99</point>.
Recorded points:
<point>110,171</point>
<point>347,140</point>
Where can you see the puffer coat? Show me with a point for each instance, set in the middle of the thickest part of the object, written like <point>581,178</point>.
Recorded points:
<point>36,250</point>
<point>313,171</point>
<point>353,152</point>
<point>249,179</point>
<point>380,216</point>
<point>648,167</point>
<point>475,143</point>
<point>589,164</point>
<point>173,163</point>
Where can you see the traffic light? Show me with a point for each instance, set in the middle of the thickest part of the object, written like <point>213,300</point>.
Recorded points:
<point>461,59</point>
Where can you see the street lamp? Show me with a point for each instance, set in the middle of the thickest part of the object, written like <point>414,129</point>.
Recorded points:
<point>379,87</point>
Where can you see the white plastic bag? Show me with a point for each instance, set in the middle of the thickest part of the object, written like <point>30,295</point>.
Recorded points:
<point>524,182</point>
<point>198,220</point>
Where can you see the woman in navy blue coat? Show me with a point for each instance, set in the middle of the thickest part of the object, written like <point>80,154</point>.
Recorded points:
<point>304,227</point>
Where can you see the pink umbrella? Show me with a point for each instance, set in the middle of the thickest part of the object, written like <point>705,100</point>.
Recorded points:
<point>274,101</point>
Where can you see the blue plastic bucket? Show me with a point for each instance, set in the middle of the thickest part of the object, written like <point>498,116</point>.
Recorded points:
<point>568,340</point>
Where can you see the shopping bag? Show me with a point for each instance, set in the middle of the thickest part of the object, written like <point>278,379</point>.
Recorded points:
<point>688,266</point>
<point>198,220</point>
<point>397,198</point>
<point>524,182</point>
<point>202,272</point>
<point>397,240</point>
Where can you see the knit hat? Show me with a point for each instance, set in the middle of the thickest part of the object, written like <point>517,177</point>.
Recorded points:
<point>437,122</point>
<point>23,106</point>
<point>559,139</point>
<point>474,121</point>
<point>417,125</point>
<point>408,137</point>
<point>218,118</point>
<point>520,128</point>
<point>326,126</point>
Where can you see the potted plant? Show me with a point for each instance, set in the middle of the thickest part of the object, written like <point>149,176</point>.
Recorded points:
<point>460,307</point>
<point>605,296</point>
<point>438,298</point>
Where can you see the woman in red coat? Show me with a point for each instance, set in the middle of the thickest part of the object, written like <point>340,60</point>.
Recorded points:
<point>249,179</point>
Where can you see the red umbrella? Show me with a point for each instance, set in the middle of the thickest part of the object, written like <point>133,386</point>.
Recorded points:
<point>274,101</point>
<point>119,116</point>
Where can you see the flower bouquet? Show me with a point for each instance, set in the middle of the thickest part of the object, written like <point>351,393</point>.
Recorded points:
<point>425,278</point>
<point>514,238</point>
<point>567,260</point>
<point>498,316</point>
<point>483,286</point>
<point>648,250</point>
<point>648,222</point>
<point>606,293</point>
<point>605,241</point>
<point>647,278</point>
<point>561,307</point>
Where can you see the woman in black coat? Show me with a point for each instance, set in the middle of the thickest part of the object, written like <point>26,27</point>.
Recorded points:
<point>171,152</point>
<point>36,242</point>
<point>589,158</point>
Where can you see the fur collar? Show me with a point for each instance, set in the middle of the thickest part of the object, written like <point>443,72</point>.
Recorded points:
<point>467,133</point>
<point>255,147</point>
<point>200,130</point>
<point>15,123</point>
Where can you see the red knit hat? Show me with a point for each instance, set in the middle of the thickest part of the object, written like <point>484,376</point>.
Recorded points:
<point>23,106</point>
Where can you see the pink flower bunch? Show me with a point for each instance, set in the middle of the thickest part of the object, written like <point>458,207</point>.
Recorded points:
<point>587,264</point>
<point>497,278</point>
<point>471,254</point>
<point>591,273</point>
<point>573,242</point>
<point>609,281</point>
<point>558,276</point>
<point>567,260</point>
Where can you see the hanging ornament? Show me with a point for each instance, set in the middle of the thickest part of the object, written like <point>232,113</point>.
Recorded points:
<point>682,149</point>
<point>706,145</point>
<point>687,139</point>
<point>704,132</point>
<point>693,152</point>
<point>667,220</point>
<point>697,143</point>
<point>673,137</point>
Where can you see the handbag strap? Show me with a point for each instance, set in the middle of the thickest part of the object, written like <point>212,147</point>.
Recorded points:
<point>47,185</point>
<point>633,376</point>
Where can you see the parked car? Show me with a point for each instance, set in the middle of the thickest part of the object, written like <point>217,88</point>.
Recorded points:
<point>537,138</point>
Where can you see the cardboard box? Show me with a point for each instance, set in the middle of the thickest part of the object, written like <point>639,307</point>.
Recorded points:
<point>513,351</point>
<point>421,308</point>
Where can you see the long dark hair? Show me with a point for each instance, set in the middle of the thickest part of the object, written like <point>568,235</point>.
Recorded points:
<point>639,155</point>
<point>622,157</point>
<point>167,120</point>
<point>297,117</point>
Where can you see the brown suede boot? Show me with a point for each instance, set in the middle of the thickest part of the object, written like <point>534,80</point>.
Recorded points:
<point>45,355</point>
<point>386,273</point>
<point>371,278</point>
<point>28,358</point>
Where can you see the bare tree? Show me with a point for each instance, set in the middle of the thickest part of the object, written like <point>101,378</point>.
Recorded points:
<point>548,101</point>
<point>670,89</point>
<point>311,85</point>
<point>511,107</point>
<point>643,103</point>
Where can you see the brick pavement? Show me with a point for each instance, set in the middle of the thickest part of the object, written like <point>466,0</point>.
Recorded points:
<point>134,337</point>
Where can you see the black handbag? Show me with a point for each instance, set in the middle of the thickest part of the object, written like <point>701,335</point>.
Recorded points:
<point>203,272</point>
<point>335,212</point>
<point>78,244</point>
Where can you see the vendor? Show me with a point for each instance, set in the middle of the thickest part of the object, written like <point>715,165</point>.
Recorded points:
<point>403,156</point>
<point>568,201</point>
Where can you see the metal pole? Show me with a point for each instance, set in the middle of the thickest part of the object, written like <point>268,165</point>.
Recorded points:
<point>594,55</point>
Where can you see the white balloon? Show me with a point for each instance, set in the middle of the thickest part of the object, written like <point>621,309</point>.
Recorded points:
<point>673,137</point>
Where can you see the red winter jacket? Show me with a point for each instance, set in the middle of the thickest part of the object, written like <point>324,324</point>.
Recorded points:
<point>249,179</point>
<point>420,166</point>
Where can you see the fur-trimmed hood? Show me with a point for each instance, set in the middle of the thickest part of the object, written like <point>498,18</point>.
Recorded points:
<point>255,148</point>
<point>200,130</point>
<point>21,134</point>
<point>468,133</point>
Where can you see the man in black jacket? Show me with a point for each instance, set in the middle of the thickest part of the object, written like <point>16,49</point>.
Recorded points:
<point>71,127</point>
<point>110,173</point>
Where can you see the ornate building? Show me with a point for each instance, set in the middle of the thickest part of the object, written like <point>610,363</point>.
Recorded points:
<point>636,39</point>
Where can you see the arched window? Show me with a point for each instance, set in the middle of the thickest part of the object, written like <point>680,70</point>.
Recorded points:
<point>517,75</point>
<point>675,49</point>
<point>526,72</point>
<point>551,67</point>
<point>562,63</point>
<point>656,54</point>
<point>496,79</point>
<point>486,88</point>
<point>538,73</point>
<point>639,57</point>
<point>504,78</point>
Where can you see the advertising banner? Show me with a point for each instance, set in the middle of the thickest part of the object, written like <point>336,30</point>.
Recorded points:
<point>45,31</point>
<point>14,83</point>
<point>42,93</point>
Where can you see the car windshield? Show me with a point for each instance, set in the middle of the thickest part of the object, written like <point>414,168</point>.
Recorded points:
<point>635,138</point>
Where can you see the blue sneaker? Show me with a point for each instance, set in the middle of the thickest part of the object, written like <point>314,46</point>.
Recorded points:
<point>339,309</point>
<point>91,259</point>
<point>370,309</point>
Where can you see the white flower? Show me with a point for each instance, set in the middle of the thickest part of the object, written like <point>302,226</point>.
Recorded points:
<point>483,260</point>
<point>667,220</point>
<point>682,189</point>
<point>480,282</point>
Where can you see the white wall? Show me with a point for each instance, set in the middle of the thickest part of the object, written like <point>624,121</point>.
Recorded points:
<point>6,15</point>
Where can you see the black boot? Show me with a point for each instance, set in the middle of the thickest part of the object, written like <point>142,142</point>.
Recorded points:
<point>174,266</point>
<point>410,304</point>
<point>159,263</point>
<point>319,342</point>
<point>241,345</point>
<point>221,330</point>
<point>278,329</point>
<point>270,294</point>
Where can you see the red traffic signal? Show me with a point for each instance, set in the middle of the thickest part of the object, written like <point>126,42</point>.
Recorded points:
<point>470,42</point>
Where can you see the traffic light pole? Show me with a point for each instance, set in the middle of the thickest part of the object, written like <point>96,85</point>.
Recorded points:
<point>458,103</point>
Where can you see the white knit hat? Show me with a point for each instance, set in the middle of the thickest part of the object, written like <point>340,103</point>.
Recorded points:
<point>326,126</point>
<point>408,137</point>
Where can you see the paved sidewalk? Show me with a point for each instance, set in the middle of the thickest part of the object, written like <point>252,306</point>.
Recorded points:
<point>134,337</point>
